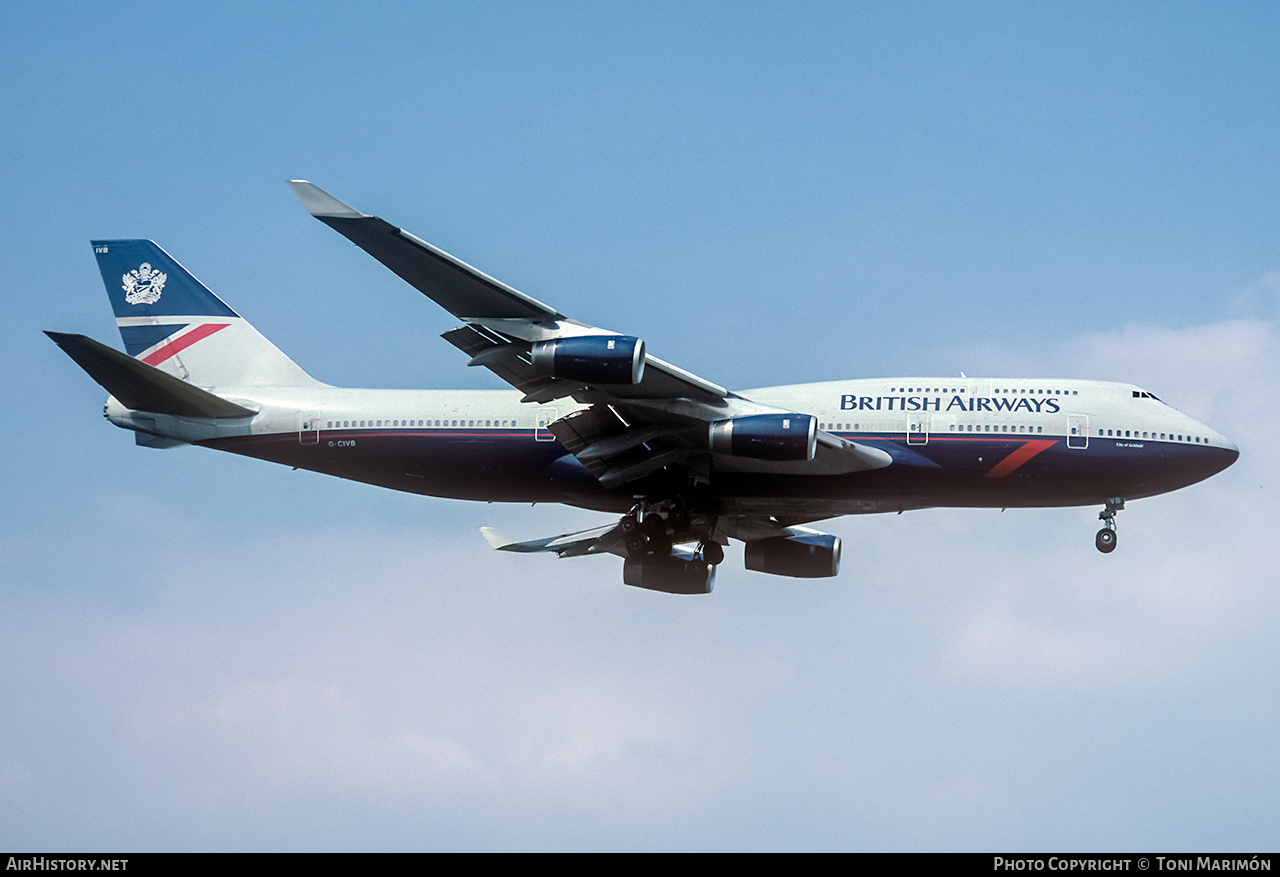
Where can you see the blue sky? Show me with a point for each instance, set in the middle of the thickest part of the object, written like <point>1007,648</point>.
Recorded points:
<point>207,652</point>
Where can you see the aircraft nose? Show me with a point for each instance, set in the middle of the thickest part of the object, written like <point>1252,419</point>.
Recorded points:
<point>1224,452</point>
<point>1209,453</point>
<point>1231,448</point>
<point>1223,443</point>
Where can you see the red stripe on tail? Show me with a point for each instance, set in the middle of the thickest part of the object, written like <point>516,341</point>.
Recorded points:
<point>173,348</point>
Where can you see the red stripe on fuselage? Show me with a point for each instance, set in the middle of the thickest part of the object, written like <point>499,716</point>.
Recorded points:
<point>173,348</point>
<point>1020,456</point>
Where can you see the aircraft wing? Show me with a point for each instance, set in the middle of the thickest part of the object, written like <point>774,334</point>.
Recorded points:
<point>657,417</point>
<point>599,540</point>
<point>481,301</point>
<point>602,540</point>
<point>608,539</point>
<point>464,291</point>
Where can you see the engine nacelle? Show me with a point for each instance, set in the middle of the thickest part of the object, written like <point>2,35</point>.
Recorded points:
<point>803,557</point>
<point>672,575</point>
<point>766,436</point>
<point>591,359</point>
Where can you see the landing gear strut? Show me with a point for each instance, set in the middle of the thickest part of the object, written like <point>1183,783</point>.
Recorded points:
<point>638,536</point>
<point>1106,538</point>
<point>646,532</point>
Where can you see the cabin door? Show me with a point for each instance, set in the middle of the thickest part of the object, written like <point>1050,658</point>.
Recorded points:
<point>546,417</point>
<point>917,428</point>
<point>308,427</point>
<point>1077,431</point>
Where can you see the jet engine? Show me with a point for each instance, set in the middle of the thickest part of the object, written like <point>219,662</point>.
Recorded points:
<point>591,359</point>
<point>766,436</point>
<point>668,573</point>
<point>804,557</point>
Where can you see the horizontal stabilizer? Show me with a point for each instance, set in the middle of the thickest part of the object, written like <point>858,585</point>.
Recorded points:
<point>142,387</point>
<point>160,442</point>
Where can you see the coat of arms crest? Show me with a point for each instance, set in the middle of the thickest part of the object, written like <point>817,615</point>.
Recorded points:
<point>143,286</point>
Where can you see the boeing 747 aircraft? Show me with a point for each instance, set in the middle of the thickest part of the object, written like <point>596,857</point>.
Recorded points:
<point>595,421</point>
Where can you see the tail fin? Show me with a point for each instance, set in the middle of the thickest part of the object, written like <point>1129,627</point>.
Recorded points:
<point>170,320</point>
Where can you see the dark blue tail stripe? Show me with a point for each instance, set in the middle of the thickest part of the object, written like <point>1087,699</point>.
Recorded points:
<point>145,281</point>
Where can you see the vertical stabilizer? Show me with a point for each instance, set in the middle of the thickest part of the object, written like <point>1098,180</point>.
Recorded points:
<point>172,321</point>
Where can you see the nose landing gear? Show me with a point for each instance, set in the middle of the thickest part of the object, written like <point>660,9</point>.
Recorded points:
<point>1106,538</point>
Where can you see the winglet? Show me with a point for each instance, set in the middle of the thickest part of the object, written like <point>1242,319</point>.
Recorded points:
<point>496,538</point>
<point>320,203</point>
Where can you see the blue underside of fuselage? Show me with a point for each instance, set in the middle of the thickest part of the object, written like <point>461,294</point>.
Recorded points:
<point>510,465</point>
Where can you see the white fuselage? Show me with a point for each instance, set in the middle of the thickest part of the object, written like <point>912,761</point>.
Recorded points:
<point>966,441</point>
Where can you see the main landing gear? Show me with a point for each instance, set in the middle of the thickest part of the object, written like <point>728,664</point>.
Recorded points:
<point>1106,538</point>
<point>647,533</point>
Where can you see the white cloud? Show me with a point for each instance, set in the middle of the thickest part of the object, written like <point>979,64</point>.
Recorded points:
<point>259,684</point>
<point>1192,566</point>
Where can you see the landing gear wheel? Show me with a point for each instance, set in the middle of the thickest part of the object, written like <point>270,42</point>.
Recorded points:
<point>628,525</point>
<point>659,544</point>
<point>654,525</point>
<point>712,553</point>
<point>1106,538</point>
